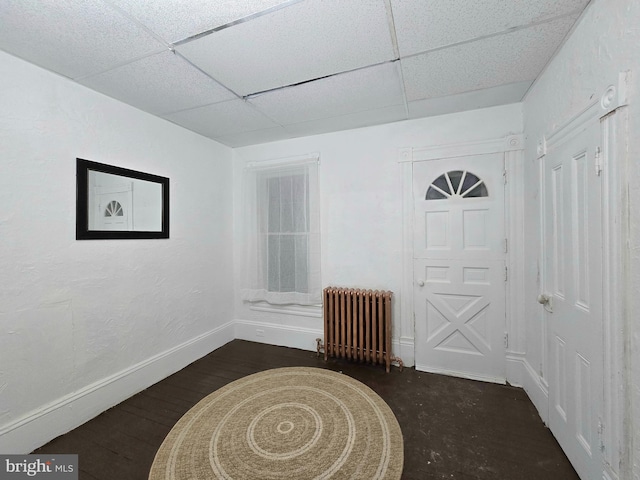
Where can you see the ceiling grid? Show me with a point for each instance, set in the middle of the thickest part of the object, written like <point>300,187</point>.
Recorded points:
<point>264,70</point>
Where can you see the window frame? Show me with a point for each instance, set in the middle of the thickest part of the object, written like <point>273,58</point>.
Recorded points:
<point>255,288</point>
<point>447,191</point>
<point>265,224</point>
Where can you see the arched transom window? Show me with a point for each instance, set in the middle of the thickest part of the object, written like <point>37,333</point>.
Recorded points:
<point>456,183</point>
<point>114,209</point>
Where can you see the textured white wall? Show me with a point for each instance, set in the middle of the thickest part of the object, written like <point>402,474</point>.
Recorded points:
<point>361,202</point>
<point>605,42</point>
<point>77,312</point>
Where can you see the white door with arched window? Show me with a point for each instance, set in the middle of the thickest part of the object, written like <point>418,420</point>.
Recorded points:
<point>459,266</point>
<point>113,208</point>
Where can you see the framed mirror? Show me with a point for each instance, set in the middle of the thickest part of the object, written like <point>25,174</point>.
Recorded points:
<point>118,203</point>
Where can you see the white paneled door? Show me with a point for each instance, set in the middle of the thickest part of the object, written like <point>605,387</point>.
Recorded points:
<point>459,266</point>
<point>573,296</point>
<point>113,206</point>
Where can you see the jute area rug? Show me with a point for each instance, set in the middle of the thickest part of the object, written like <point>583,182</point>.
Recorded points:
<point>286,423</point>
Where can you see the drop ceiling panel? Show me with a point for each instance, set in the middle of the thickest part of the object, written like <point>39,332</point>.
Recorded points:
<point>307,40</point>
<point>256,136</point>
<point>72,37</point>
<point>159,84</point>
<point>221,119</point>
<point>489,97</point>
<point>351,92</point>
<point>335,58</point>
<point>425,25</point>
<point>346,122</point>
<point>514,57</point>
<point>175,20</point>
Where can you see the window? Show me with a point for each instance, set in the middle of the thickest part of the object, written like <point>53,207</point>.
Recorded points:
<point>456,183</point>
<point>114,209</point>
<point>286,230</point>
<point>282,235</point>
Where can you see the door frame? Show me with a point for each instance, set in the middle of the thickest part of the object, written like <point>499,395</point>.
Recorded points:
<point>610,107</point>
<point>512,146</point>
<point>609,111</point>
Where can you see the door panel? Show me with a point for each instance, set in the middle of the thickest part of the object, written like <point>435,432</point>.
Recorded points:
<point>114,212</point>
<point>459,300</point>
<point>113,208</point>
<point>460,318</point>
<point>573,280</point>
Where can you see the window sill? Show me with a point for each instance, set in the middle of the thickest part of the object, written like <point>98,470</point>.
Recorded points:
<point>297,310</point>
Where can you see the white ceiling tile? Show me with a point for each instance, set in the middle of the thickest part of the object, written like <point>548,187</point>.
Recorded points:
<point>243,139</point>
<point>304,41</point>
<point>72,37</point>
<point>159,84</point>
<point>346,122</point>
<point>333,56</point>
<point>425,25</point>
<point>508,58</point>
<point>220,119</point>
<point>364,89</point>
<point>175,20</point>
<point>489,97</point>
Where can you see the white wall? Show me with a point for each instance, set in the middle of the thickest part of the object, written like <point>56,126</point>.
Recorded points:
<point>85,324</point>
<point>361,209</point>
<point>605,42</point>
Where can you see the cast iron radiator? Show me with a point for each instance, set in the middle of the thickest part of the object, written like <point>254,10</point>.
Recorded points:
<point>357,325</point>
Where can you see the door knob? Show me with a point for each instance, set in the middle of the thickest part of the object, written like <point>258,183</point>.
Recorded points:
<point>420,283</point>
<point>545,300</point>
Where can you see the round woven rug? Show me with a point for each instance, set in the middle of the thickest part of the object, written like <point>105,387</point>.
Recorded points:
<point>287,423</point>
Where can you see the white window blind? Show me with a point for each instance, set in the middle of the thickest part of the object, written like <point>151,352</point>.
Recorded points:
<point>282,257</point>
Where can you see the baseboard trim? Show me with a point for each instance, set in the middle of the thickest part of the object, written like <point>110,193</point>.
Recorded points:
<point>520,373</point>
<point>404,348</point>
<point>516,370</point>
<point>455,373</point>
<point>305,338</point>
<point>277,334</point>
<point>66,413</point>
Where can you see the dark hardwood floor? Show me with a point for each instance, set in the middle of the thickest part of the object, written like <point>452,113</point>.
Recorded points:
<point>452,428</point>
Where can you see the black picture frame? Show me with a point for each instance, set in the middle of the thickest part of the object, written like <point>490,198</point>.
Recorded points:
<point>83,167</point>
